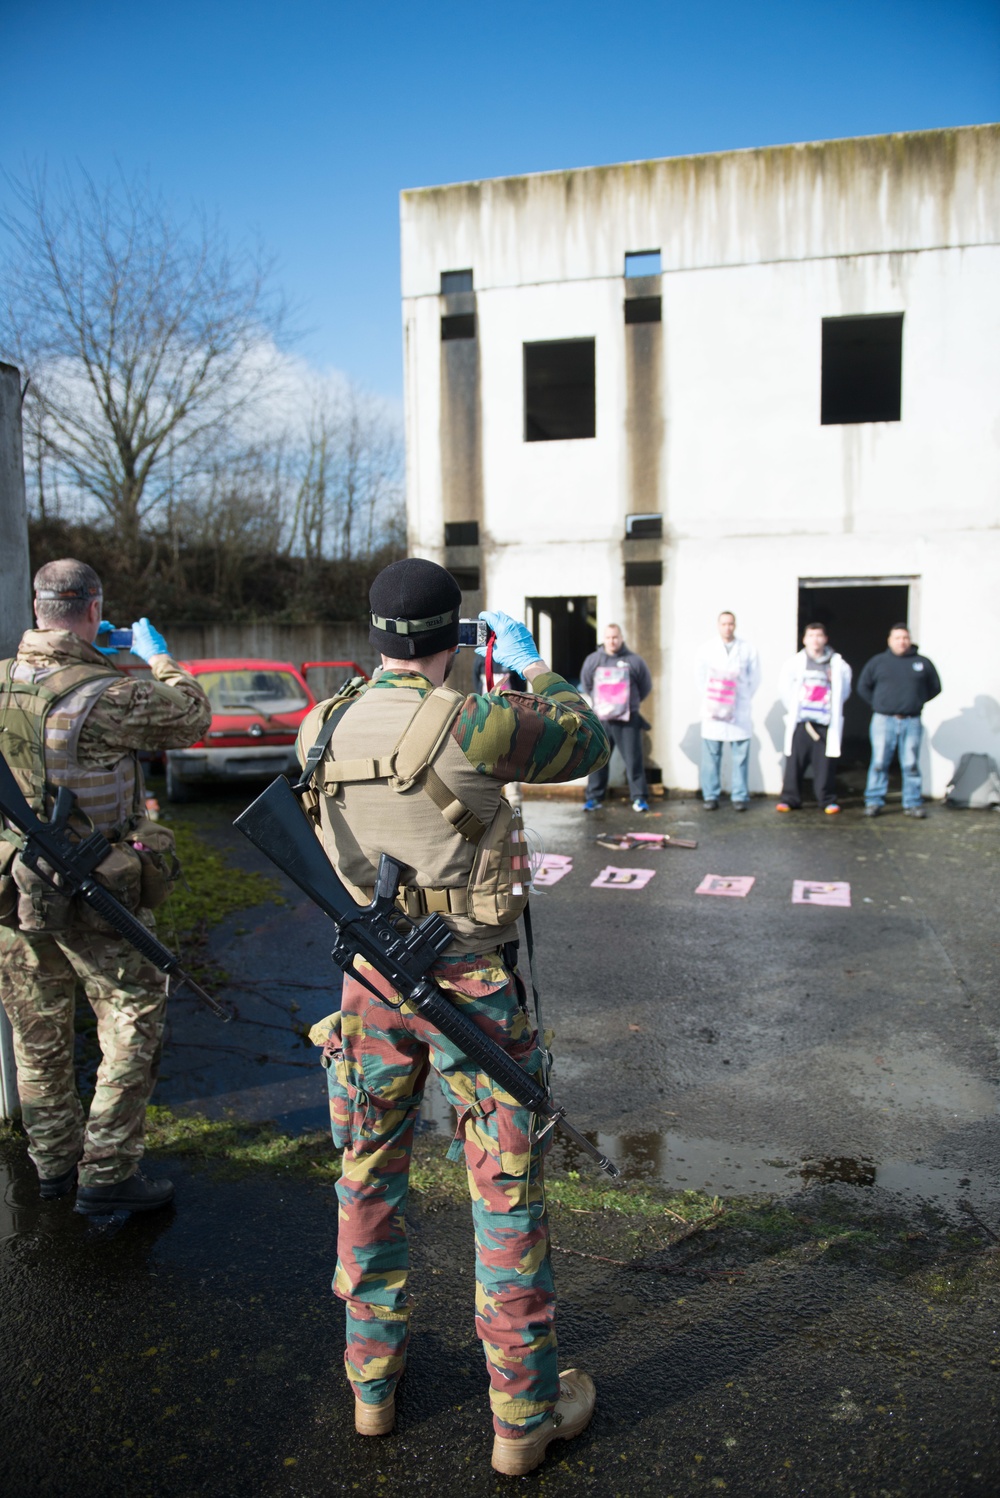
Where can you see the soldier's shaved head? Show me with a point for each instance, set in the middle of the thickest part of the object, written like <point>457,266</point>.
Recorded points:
<point>64,592</point>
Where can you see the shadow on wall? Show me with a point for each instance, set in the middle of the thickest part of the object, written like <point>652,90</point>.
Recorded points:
<point>775,725</point>
<point>976,730</point>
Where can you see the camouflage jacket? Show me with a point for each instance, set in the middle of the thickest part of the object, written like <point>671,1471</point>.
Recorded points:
<point>547,735</point>
<point>167,711</point>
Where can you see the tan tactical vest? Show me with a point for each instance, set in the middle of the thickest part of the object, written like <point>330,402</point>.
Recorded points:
<point>393,780</point>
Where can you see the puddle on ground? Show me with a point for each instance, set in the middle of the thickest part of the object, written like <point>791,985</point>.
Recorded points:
<point>682,1163</point>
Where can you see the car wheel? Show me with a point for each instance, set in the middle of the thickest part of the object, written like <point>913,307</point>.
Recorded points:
<point>177,789</point>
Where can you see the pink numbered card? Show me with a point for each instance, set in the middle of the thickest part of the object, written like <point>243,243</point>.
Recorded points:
<point>551,869</point>
<point>612,693</point>
<point>717,884</point>
<point>612,878</point>
<point>811,892</point>
<point>720,695</point>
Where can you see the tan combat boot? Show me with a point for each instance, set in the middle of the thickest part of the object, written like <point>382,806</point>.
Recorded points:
<point>375,1419</point>
<point>574,1407</point>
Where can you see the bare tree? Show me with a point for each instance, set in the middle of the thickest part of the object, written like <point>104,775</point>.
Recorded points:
<point>145,341</point>
<point>349,501</point>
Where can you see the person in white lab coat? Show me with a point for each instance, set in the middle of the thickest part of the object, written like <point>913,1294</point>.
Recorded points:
<point>728,676</point>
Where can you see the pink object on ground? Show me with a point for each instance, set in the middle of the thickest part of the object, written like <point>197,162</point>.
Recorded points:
<point>612,878</point>
<point>718,884</point>
<point>551,869</point>
<point>812,892</point>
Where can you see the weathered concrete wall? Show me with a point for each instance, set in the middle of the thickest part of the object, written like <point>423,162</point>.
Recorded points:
<point>912,191</point>
<point>717,410</point>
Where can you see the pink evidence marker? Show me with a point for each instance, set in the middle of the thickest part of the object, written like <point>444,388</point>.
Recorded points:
<point>552,868</point>
<point>612,878</point>
<point>737,886</point>
<point>812,892</point>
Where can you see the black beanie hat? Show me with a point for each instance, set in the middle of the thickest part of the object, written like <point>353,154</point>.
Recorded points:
<point>415,606</point>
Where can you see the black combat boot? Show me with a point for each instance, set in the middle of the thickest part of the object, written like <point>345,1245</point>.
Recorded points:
<point>134,1195</point>
<point>49,1187</point>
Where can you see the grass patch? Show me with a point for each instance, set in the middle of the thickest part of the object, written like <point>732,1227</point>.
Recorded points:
<point>241,1148</point>
<point>211,888</point>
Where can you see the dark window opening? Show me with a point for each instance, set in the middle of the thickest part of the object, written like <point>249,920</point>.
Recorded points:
<point>455,280</point>
<point>466,577</point>
<point>643,527</point>
<point>643,309</point>
<point>643,263</point>
<point>559,395</point>
<point>458,325</point>
<point>643,574</point>
<point>862,369</point>
<point>461,533</point>
<point>568,628</point>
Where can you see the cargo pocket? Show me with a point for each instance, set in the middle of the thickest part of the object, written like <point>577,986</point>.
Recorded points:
<point>326,1032</point>
<point>498,1126</point>
<point>374,1121</point>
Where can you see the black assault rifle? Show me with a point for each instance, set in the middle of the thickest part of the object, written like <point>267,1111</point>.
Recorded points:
<point>48,849</point>
<point>401,950</point>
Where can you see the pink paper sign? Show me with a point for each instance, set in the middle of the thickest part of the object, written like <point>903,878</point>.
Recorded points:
<point>717,884</point>
<point>811,892</point>
<point>551,869</point>
<point>612,878</point>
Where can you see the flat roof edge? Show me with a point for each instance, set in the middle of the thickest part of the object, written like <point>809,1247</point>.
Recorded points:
<point>986,127</point>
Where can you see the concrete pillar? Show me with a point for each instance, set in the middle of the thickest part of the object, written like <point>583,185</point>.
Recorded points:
<point>15,610</point>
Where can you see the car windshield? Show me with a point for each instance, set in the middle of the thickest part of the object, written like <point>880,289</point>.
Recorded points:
<point>253,691</point>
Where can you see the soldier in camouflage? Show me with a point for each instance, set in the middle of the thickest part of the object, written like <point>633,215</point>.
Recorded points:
<point>414,770</point>
<point>69,717</point>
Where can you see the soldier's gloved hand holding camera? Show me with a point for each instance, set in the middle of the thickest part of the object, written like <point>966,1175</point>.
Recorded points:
<point>147,641</point>
<point>515,648</point>
<point>106,629</point>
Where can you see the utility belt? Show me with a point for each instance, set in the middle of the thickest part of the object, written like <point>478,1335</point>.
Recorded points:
<point>140,870</point>
<point>416,902</point>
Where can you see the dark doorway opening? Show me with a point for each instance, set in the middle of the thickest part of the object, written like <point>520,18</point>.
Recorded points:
<point>567,627</point>
<point>858,618</point>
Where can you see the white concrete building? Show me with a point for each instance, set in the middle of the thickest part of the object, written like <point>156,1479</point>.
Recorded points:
<point>760,380</point>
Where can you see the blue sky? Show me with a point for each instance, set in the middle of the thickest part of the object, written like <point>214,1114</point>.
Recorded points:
<point>301,122</point>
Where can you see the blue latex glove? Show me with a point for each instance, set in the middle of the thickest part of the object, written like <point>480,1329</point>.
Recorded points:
<point>104,628</point>
<point>515,648</point>
<point>147,641</point>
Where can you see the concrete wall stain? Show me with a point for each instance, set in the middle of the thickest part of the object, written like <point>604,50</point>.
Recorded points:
<point>461,443</point>
<point>645,428</point>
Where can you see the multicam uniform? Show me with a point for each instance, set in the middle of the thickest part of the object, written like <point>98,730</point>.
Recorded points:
<point>379,1054</point>
<point>92,729</point>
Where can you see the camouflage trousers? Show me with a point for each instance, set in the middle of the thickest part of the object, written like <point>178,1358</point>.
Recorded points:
<point>39,974</point>
<point>376,1085</point>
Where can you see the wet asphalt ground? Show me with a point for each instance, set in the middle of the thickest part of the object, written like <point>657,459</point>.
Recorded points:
<point>838,1064</point>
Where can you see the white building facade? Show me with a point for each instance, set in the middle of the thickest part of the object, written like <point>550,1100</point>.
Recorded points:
<point>765,381</point>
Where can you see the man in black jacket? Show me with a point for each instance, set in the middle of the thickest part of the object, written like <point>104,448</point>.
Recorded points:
<point>896,684</point>
<point>617,680</point>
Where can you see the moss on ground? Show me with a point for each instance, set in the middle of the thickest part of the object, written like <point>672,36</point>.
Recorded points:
<point>211,888</point>
<point>635,1226</point>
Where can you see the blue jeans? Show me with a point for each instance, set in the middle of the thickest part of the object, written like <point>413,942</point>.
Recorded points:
<point>889,735</point>
<point>711,766</point>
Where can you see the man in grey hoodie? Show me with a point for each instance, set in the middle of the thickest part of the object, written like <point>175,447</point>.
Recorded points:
<point>814,686</point>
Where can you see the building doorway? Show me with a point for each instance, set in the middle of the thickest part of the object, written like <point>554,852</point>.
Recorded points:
<point>857,614</point>
<point>565,630</point>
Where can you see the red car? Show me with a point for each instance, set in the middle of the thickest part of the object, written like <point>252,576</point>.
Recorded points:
<point>257,707</point>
